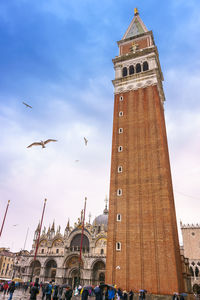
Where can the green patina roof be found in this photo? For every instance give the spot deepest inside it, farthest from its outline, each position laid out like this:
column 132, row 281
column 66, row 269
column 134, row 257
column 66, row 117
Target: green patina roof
column 135, row 29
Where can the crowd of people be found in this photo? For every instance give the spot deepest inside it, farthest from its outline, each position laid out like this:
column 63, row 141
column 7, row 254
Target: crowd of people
column 52, row 291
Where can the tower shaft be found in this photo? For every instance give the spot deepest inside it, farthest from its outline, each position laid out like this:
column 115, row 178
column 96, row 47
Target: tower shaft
column 143, row 249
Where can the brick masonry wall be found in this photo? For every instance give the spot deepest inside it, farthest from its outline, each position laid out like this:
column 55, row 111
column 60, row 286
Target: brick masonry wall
column 150, row 256
column 142, row 43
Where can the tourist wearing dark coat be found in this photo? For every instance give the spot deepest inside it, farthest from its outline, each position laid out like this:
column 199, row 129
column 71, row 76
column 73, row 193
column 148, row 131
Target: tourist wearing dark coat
column 68, row 294
column 11, row 290
column 34, row 290
column 55, row 293
column 85, row 295
column 131, row 294
column 98, row 293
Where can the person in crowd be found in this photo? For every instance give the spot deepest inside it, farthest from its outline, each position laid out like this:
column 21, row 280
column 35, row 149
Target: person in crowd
column 34, row 290
column 111, row 293
column 11, row 290
column 26, row 285
column 48, row 290
column 175, row 296
column 131, row 295
column 79, row 289
column 60, row 292
column 5, row 287
column 125, row 295
column 85, row 294
column 43, row 291
column 142, row 295
column 68, row 293
column 119, row 294
column 76, row 292
column 98, row 293
column 55, row 292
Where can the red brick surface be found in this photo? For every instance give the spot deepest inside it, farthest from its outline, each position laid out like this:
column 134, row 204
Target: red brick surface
column 150, row 255
column 143, row 43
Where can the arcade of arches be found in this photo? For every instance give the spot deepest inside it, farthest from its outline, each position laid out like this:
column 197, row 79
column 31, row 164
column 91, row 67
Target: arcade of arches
column 58, row 254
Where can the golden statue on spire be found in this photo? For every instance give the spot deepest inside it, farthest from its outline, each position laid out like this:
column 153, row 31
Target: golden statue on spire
column 136, row 12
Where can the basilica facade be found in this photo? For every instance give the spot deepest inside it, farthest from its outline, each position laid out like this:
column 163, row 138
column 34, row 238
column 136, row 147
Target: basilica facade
column 58, row 254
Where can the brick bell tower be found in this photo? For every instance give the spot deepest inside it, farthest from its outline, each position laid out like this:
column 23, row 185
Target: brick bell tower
column 143, row 248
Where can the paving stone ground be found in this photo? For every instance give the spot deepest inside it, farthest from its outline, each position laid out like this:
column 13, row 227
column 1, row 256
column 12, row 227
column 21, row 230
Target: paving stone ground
column 20, row 295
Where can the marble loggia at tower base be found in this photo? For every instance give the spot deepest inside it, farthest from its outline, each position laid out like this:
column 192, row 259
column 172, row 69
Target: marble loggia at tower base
column 143, row 250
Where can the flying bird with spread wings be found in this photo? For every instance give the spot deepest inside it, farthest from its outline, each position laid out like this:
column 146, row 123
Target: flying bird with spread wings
column 42, row 143
column 27, row 105
column 86, row 141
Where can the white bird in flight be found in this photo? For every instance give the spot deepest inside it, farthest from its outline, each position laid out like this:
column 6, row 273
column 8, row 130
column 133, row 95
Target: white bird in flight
column 27, row 105
column 42, row 143
column 86, row 141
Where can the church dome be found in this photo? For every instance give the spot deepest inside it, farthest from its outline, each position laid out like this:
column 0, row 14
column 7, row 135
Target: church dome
column 102, row 219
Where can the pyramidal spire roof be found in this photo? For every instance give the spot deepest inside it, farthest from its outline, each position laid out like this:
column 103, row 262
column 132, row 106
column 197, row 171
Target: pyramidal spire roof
column 136, row 27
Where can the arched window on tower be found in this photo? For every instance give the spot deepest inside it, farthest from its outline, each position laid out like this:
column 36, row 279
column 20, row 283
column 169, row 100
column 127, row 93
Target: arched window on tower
column 145, row 66
column 131, row 70
column 138, row 68
column 124, row 72
column 196, row 272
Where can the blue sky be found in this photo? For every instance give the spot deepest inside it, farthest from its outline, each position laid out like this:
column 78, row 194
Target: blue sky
column 57, row 56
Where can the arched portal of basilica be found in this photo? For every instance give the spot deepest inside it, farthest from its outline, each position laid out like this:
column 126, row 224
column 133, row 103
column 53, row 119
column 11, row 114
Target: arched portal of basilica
column 59, row 254
column 50, row 270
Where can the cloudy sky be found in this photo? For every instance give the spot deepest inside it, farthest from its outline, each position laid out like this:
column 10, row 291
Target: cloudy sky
column 57, row 55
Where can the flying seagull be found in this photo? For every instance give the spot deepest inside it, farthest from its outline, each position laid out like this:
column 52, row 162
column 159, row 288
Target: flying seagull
column 77, row 160
column 86, row 141
column 15, row 225
column 27, row 105
column 42, row 143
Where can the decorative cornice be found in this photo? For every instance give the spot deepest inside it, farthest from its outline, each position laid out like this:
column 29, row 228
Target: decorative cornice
column 190, row 226
column 138, row 82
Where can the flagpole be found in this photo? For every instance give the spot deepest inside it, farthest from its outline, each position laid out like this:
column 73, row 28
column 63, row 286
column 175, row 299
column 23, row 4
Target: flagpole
column 38, row 239
column 82, row 233
column 26, row 238
column 4, row 217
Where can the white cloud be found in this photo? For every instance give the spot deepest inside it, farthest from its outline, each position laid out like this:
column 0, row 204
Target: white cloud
column 182, row 111
column 30, row 175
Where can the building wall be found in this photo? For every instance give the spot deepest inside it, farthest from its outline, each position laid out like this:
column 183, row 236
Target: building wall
column 6, row 263
column 191, row 250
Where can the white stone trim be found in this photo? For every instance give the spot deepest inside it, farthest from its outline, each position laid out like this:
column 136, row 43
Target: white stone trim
column 119, row 169
column 120, row 130
column 119, row 192
column 135, row 84
column 119, row 217
column 118, row 246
